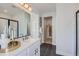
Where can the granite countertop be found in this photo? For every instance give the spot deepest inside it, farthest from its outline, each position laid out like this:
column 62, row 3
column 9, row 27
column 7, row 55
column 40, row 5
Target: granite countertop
column 24, row 44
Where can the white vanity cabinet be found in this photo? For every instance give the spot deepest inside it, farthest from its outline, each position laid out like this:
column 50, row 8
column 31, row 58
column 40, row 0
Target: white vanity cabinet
column 23, row 53
column 34, row 49
column 29, row 47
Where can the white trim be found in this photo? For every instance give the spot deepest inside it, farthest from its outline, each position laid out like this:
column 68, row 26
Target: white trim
column 43, row 29
column 53, row 14
column 63, row 53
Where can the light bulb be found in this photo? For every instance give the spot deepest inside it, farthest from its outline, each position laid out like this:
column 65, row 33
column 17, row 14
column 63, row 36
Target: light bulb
column 30, row 9
column 26, row 5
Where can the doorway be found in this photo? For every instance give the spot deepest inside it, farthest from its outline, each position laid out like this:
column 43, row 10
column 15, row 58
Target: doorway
column 48, row 30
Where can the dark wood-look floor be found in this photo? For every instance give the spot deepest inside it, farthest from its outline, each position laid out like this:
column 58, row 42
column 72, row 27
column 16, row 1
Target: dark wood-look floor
column 48, row 50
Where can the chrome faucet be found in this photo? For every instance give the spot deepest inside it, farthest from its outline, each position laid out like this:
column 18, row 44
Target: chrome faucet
column 12, row 34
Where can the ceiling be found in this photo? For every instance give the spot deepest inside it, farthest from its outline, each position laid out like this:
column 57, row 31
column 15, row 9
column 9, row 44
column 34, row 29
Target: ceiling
column 9, row 8
column 42, row 8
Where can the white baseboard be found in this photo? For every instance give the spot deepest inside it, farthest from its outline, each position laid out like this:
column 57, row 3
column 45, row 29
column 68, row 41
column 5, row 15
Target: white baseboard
column 63, row 53
column 53, row 44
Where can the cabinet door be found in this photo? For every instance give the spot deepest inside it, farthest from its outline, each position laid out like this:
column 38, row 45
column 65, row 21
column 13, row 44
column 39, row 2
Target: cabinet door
column 34, row 50
column 22, row 53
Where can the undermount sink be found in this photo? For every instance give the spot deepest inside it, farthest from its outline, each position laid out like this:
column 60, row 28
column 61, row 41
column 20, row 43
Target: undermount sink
column 12, row 45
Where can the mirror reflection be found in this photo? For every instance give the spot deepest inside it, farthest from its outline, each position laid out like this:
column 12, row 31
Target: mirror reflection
column 14, row 21
column 3, row 26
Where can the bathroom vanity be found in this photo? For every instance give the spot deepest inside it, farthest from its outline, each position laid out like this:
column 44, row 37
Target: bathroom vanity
column 29, row 47
column 15, row 23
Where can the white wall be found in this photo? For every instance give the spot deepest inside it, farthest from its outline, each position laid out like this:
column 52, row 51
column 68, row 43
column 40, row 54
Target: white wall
column 65, row 29
column 53, row 14
column 34, row 25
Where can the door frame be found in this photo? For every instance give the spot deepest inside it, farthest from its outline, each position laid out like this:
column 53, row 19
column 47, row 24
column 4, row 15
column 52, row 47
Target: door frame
column 77, row 32
column 44, row 28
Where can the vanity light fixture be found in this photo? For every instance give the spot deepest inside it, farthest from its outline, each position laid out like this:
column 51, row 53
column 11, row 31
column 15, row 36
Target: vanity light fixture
column 26, row 6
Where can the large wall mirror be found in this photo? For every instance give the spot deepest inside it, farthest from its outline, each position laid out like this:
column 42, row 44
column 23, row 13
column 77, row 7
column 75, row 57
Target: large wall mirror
column 13, row 18
column 7, row 25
